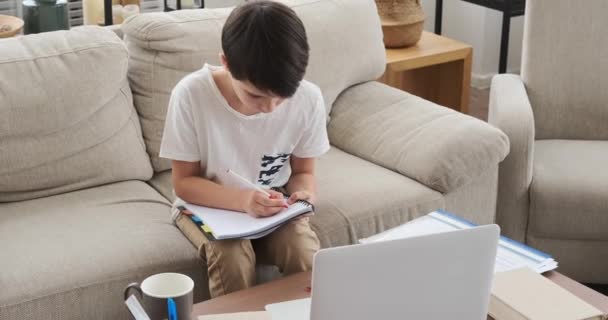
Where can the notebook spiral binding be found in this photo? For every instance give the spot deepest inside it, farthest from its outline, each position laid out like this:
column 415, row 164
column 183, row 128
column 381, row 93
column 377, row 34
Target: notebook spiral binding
column 284, row 192
column 304, row 202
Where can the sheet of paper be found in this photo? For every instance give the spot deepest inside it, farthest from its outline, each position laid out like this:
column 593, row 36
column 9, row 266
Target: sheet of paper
column 422, row 226
column 259, row 315
column 510, row 254
column 290, row 310
column 509, row 260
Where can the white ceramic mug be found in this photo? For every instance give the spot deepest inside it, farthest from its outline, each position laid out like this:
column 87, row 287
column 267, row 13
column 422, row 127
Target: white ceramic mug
column 156, row 289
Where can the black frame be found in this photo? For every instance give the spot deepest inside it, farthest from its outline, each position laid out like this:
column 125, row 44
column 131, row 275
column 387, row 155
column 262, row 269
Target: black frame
column 178, row 5
column 107, row 9
column 509, row 9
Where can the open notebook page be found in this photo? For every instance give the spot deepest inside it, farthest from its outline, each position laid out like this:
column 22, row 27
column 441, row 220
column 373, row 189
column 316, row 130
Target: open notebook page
column 226, row 224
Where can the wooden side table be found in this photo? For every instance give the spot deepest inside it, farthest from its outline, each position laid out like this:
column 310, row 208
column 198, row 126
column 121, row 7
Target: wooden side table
column 437, row 69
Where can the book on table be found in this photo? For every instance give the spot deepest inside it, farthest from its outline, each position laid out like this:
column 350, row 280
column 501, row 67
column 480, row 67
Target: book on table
column 220, row 224
column 523, row 294
column 510, row 254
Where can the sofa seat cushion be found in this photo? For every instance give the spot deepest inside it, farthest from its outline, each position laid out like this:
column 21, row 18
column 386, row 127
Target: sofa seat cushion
column 569, row 191
column 161, row 181
column 70, row 256
column 358, row 199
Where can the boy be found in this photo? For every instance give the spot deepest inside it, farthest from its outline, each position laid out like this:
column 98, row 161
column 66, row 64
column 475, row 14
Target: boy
column 256, row 116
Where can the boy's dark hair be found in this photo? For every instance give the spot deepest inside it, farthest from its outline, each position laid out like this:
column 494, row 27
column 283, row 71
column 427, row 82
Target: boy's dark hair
column 265, row 43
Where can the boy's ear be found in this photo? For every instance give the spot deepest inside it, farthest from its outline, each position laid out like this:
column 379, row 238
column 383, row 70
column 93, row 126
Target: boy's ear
column 224, row 61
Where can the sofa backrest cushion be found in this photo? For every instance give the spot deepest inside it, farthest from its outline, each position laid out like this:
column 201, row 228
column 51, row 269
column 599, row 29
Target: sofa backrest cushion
column 345, row 37
column 67, row 119
column 564, row 68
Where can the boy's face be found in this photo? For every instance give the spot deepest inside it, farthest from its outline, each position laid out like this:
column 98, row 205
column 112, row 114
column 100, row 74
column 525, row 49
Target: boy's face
column 252, row 98
column 255, row 99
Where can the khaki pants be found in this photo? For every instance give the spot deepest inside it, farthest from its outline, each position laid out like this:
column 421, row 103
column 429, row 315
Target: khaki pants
column 231, row 263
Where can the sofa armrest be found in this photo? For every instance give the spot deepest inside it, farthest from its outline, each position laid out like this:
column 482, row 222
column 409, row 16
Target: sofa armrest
column 510, row 111
column 439, row 147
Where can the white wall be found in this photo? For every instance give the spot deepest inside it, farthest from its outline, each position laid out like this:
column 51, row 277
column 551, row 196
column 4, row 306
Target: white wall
column 481, row 28
column 221, row 3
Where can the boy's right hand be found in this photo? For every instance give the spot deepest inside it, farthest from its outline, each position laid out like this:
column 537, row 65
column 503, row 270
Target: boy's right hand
column 259, row 205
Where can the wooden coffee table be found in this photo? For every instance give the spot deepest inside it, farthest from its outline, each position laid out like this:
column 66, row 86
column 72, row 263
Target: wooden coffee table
column 294, row 287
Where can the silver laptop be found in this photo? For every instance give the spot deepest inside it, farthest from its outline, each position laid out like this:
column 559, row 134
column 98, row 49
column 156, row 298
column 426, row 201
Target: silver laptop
column 432, row 277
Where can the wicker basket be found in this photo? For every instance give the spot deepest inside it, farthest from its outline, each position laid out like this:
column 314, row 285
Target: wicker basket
column 9, row 26
column 402, row 22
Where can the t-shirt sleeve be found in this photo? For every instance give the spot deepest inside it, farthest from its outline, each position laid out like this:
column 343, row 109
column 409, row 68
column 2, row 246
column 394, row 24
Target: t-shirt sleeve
column 179, row 140
column 314, row 141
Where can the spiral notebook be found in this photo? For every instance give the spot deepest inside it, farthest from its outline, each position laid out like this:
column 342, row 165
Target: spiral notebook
column 220, row 224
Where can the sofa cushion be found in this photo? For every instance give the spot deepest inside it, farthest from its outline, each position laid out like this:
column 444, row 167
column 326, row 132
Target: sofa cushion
column 161, row 181
column 564, row 68
column 166, row 47
column 569, row 191
column 439, row 147
column 583, row 260
column 358, row 199
column 67, row 120
column 70, row 256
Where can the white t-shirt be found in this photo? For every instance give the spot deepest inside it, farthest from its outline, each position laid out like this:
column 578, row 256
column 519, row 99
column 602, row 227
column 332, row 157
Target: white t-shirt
column 201, row 126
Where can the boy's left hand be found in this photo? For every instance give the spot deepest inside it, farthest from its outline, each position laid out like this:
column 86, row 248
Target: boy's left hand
column 301, row 195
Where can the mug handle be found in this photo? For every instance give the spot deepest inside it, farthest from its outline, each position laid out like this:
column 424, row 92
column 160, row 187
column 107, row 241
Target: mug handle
column 133, row 286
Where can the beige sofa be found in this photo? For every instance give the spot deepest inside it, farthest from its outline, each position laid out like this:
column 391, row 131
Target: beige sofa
column 84, row 198
column 553, row 190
